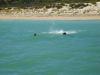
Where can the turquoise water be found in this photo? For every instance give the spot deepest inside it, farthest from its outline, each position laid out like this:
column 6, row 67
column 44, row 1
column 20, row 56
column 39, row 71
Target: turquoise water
column 50, row 52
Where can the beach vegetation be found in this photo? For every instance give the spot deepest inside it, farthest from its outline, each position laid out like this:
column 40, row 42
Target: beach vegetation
column 42, row 3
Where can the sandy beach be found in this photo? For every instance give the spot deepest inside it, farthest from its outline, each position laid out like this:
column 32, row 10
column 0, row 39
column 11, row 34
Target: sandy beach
column 50, row 17
column 89, row 12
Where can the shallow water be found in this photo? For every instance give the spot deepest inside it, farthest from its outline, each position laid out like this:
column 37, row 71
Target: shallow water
column 50, row 52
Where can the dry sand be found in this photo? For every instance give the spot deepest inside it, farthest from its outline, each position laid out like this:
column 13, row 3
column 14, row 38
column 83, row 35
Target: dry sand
column 51, row 18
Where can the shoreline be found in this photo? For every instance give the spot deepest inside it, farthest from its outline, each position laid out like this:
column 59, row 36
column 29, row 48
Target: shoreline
column 50, row 17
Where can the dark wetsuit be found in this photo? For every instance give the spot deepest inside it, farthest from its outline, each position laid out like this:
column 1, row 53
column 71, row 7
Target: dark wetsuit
column 35, row 34
column 64, row 33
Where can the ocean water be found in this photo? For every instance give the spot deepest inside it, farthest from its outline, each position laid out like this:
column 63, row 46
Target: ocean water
column 49, row 52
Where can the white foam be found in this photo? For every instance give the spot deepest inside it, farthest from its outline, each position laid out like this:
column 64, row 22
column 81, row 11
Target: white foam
column 61, row 31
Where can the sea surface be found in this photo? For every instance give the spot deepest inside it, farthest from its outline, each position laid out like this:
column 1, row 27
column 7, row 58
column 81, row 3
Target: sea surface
column 49, row 52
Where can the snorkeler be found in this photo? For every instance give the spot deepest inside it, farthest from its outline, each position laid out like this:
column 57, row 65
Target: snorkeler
column 35, row 34
column 64, row 33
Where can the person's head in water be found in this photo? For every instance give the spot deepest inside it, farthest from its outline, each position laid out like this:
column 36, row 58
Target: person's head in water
column 35, row 34
column 64, row 33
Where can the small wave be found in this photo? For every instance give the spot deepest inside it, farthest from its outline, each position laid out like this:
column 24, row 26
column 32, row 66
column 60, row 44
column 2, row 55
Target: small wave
column 61, row 31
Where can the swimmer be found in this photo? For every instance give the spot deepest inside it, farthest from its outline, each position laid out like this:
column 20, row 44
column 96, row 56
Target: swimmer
column 35, row 34
column 64, row 33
